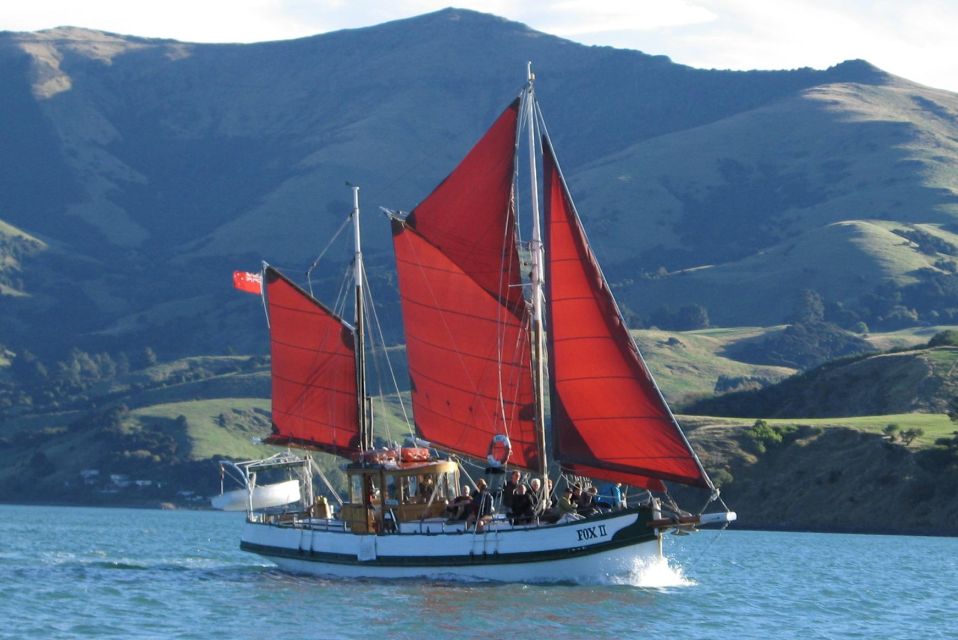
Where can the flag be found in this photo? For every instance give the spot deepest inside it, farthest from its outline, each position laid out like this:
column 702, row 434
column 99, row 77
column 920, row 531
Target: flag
column 248, row 282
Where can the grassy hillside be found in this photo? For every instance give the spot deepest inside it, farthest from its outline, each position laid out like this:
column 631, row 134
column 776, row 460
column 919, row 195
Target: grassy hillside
column 232, row 425
column 688, row 364
column 763, row 210
column 934, row 425
column 15, row 246
column 923, row 380
column 840, row 261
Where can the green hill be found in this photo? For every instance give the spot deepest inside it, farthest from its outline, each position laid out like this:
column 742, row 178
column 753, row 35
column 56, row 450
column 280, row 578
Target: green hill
column 689, row 365
column 920, row 380
column 841, row 261
column 834, row 475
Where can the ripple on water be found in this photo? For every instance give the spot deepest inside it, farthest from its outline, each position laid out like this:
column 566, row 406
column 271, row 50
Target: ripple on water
column 135, row 574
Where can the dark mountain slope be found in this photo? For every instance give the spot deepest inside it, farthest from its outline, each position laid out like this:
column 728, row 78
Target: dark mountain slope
column 157, row 167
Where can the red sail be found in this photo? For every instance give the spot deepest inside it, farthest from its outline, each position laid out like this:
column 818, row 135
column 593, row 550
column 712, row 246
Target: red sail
column 314, row 371
column 609, row 420
column 463, row 310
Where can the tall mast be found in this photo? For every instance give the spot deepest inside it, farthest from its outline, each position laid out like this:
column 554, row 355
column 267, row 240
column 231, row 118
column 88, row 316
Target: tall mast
column 538, row 368
column 365, row 437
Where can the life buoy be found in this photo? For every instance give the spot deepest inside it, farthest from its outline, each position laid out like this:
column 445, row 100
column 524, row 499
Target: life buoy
column 499, row 450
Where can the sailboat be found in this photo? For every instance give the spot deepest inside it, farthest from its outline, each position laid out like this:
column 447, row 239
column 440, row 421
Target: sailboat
column 493, row 327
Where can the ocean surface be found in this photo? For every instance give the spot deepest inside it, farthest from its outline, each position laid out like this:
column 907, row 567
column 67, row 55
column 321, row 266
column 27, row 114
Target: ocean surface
column 126, row 573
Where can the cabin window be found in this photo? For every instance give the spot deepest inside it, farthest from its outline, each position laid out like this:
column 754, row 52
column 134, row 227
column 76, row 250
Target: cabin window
column 392, row 493
column 410, row 488
column 355, row 489
column 450, row 486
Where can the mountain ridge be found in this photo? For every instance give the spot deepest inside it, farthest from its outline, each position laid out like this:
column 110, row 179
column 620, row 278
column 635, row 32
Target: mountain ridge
column 140, row 153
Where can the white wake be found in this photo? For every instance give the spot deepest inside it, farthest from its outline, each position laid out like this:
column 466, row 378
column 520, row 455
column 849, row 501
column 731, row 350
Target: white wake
column 655, row 573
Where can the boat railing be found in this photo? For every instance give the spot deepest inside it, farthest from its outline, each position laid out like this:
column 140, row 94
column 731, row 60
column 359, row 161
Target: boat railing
column 297, row 520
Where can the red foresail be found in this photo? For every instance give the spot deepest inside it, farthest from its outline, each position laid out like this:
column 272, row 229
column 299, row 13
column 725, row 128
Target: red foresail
column 609, row 420
column 463, row 309
column 314, row 371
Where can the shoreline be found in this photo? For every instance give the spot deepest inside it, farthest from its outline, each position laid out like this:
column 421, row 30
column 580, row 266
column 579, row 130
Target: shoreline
column 836, row 531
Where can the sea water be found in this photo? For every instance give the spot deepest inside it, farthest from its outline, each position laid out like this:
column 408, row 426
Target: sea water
column 126, row 573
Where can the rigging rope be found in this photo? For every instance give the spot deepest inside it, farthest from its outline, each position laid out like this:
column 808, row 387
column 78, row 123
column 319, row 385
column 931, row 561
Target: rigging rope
column 309, row 271
column 389, row 366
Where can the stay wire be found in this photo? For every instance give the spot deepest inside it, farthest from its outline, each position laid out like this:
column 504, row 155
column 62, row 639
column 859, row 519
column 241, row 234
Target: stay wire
column 389, row 366
column 309, row 271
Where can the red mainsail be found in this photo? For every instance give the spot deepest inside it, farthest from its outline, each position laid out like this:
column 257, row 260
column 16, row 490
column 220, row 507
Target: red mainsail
column 609, row 420
column 314, row 371
column 463, row 310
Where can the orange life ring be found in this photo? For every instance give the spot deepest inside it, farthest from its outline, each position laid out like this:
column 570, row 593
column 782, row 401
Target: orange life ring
column 499, row 450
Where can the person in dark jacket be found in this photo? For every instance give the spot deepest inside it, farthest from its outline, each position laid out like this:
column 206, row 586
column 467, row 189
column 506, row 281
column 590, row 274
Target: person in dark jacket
column 481, row 509
column 509, row 490
column 523, row 506
column 460, row 507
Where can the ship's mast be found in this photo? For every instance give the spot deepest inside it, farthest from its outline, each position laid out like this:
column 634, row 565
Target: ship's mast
column 536, row 249
column 365, row 437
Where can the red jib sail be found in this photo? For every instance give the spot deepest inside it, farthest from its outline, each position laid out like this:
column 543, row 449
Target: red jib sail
column 313, row 371
column 609, row 420
column 463, row 309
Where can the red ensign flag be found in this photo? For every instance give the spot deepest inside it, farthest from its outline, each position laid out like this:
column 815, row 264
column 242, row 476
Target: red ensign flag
column 248, row 282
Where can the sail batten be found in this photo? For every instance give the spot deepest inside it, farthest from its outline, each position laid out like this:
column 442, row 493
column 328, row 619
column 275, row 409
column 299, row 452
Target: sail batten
column 609, row 420
column 313, row 371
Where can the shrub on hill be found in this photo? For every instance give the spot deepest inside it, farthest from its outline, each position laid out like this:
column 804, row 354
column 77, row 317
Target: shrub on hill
column 687, row 318
column 947, row 338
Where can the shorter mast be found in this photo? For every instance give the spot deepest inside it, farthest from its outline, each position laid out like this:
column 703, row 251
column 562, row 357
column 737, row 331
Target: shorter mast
column 538, row 350
column 365, row 437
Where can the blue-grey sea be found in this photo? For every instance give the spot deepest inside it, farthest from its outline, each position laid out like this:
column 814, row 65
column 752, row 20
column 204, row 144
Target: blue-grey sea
column 125, row 573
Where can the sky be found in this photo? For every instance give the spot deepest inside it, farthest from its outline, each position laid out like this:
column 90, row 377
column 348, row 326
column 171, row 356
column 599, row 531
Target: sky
column 915, row 39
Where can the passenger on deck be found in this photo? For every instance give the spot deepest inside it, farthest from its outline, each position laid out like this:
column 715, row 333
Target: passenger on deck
column 523, row 506
column 426, row 487
column 534, row 486
column 481, row 508
column 566, row 507
column 459, row 509
column 576, row 493
column 509, row 490
column 584, row 506
column 611, row 496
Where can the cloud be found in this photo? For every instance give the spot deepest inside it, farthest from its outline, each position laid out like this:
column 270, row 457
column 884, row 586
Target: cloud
column 912, row 39
column 572, row 18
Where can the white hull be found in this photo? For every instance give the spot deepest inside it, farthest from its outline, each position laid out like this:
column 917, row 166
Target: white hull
column 580, row 551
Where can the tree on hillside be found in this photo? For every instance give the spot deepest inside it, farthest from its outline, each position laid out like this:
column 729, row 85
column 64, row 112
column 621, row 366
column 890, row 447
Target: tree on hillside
column 953, row 410
column 810, row 308
column 147, row 358
column 909, row 435
column 891, row 431
column 947, row 338
column 687, row 318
